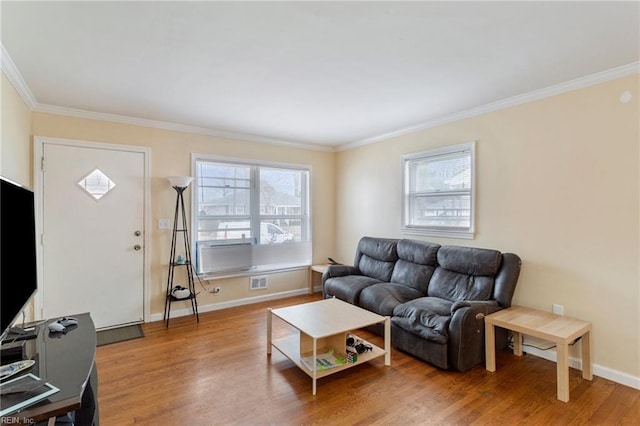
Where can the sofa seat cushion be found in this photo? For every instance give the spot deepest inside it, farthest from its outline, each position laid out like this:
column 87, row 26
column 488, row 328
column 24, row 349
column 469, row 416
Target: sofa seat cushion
column 348, row 288
column 427, row 317
column 382, row 298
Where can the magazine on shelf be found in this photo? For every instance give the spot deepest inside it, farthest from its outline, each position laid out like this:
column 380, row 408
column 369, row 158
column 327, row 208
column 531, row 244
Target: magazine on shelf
column 324, row 361
column 22, row 392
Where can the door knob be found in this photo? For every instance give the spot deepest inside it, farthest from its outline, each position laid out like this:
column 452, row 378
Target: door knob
column 137, row 247
column 137, row 233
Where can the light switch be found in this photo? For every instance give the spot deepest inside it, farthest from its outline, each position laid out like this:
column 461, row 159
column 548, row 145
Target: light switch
column 164, row 224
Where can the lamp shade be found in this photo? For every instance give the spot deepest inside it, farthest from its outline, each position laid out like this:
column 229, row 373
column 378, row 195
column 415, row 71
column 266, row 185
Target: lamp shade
column 179, row 181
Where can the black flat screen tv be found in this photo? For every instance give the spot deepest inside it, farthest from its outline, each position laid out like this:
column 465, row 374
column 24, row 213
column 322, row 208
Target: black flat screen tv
column 18, row 264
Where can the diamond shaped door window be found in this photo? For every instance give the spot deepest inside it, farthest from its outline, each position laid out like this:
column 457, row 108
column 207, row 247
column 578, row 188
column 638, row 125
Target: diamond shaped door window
column 97, row 184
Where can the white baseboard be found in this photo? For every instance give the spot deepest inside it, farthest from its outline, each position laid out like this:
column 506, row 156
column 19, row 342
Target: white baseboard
column 230, row 304
column 598, row 370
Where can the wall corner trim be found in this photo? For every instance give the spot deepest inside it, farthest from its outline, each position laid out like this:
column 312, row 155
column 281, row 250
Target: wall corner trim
column 15, row 78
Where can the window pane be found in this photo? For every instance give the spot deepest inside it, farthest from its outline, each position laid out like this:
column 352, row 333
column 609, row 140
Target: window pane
column 442, row 173
column 221, row 229
column 223, row 202
column 223, row 190
column 278, row 231
column 224, row 175
column 265, row 206
column 233, row 230
column 440, row 211
column 280, row 192
column 439, row 191
column 97, row 184
column 207, row 229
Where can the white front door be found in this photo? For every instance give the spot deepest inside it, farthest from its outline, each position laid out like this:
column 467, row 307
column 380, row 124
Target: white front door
column 93, row 217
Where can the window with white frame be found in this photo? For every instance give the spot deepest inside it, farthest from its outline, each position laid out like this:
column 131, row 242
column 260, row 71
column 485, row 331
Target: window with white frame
column 250, row 216
column 438, row 198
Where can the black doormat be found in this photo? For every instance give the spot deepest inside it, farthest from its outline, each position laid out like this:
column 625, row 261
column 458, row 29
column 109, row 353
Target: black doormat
column 121, row 334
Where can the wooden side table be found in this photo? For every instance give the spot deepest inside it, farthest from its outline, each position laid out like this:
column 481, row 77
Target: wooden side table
column 558, row 329
column 315, row 268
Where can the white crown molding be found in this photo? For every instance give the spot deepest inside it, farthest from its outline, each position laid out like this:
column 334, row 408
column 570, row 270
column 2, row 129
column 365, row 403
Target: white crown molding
column 15, row 78
column 579, row 83
column 165, row 125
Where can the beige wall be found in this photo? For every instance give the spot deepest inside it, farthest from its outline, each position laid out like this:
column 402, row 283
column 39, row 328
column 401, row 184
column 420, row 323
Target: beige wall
column 15, row 146
column 15, row 136
column 557, row 179
column 557, row 183
column 171, row 155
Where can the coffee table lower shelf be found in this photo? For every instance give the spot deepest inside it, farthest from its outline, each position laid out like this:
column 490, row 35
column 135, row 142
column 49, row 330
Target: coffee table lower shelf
column 290, row 347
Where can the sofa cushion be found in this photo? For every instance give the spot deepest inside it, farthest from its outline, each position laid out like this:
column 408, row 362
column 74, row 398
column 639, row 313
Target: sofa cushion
column 454, row 286
column 376, row 257
column 415, row 265
column 348, row 288
column 382, row 298
column 470, row 260
column 427, row 317
column 420, row 252
column 431, row 304
column 464, row 273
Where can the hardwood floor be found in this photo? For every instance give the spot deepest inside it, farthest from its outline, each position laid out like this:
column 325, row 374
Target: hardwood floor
column 217, row 372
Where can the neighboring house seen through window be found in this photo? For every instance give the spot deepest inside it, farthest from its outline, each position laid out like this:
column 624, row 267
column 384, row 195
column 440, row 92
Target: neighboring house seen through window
column 250, row 216
column 438, row 198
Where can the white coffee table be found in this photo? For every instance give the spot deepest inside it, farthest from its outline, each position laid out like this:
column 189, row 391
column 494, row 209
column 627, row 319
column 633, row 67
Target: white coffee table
column 325, row 325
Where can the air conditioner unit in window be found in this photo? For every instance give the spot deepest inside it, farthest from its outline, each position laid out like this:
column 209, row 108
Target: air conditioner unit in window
column 213, row 257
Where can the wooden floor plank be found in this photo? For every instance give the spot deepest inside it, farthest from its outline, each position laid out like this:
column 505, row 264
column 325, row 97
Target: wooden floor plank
column 217, row 372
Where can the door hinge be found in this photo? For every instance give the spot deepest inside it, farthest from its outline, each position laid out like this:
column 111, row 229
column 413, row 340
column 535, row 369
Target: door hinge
column 42, row 163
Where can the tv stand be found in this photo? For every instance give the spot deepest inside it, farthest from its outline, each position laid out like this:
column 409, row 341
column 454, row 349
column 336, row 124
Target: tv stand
column 67, row 361
column 13, row 347
column 27, row 332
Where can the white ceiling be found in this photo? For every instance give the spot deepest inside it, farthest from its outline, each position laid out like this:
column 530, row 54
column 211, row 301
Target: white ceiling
column 325, row 74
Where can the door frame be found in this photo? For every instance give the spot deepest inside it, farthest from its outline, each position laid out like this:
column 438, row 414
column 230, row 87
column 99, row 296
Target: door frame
column 38, row 150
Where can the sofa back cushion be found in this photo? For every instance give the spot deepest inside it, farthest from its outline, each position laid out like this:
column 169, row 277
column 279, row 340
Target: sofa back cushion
column 376, row 257
column 415, row 265
column 465, row 273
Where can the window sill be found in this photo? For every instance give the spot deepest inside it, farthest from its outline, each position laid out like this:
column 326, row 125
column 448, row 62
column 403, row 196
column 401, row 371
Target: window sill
column 464, row 235
column 256, row 270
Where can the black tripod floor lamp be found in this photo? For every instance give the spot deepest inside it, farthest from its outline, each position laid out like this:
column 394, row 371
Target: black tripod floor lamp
column 180, row 293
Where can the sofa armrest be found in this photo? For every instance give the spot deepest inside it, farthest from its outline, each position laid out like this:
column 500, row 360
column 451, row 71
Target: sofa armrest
column 507, row 279
column 335, row 271
column 339, row 271
column 466, row 332
column 484, row 307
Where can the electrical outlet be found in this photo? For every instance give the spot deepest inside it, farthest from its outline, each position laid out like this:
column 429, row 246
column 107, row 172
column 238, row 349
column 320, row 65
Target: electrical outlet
column 557, row 309
column 164, row 224
column 217, row 290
